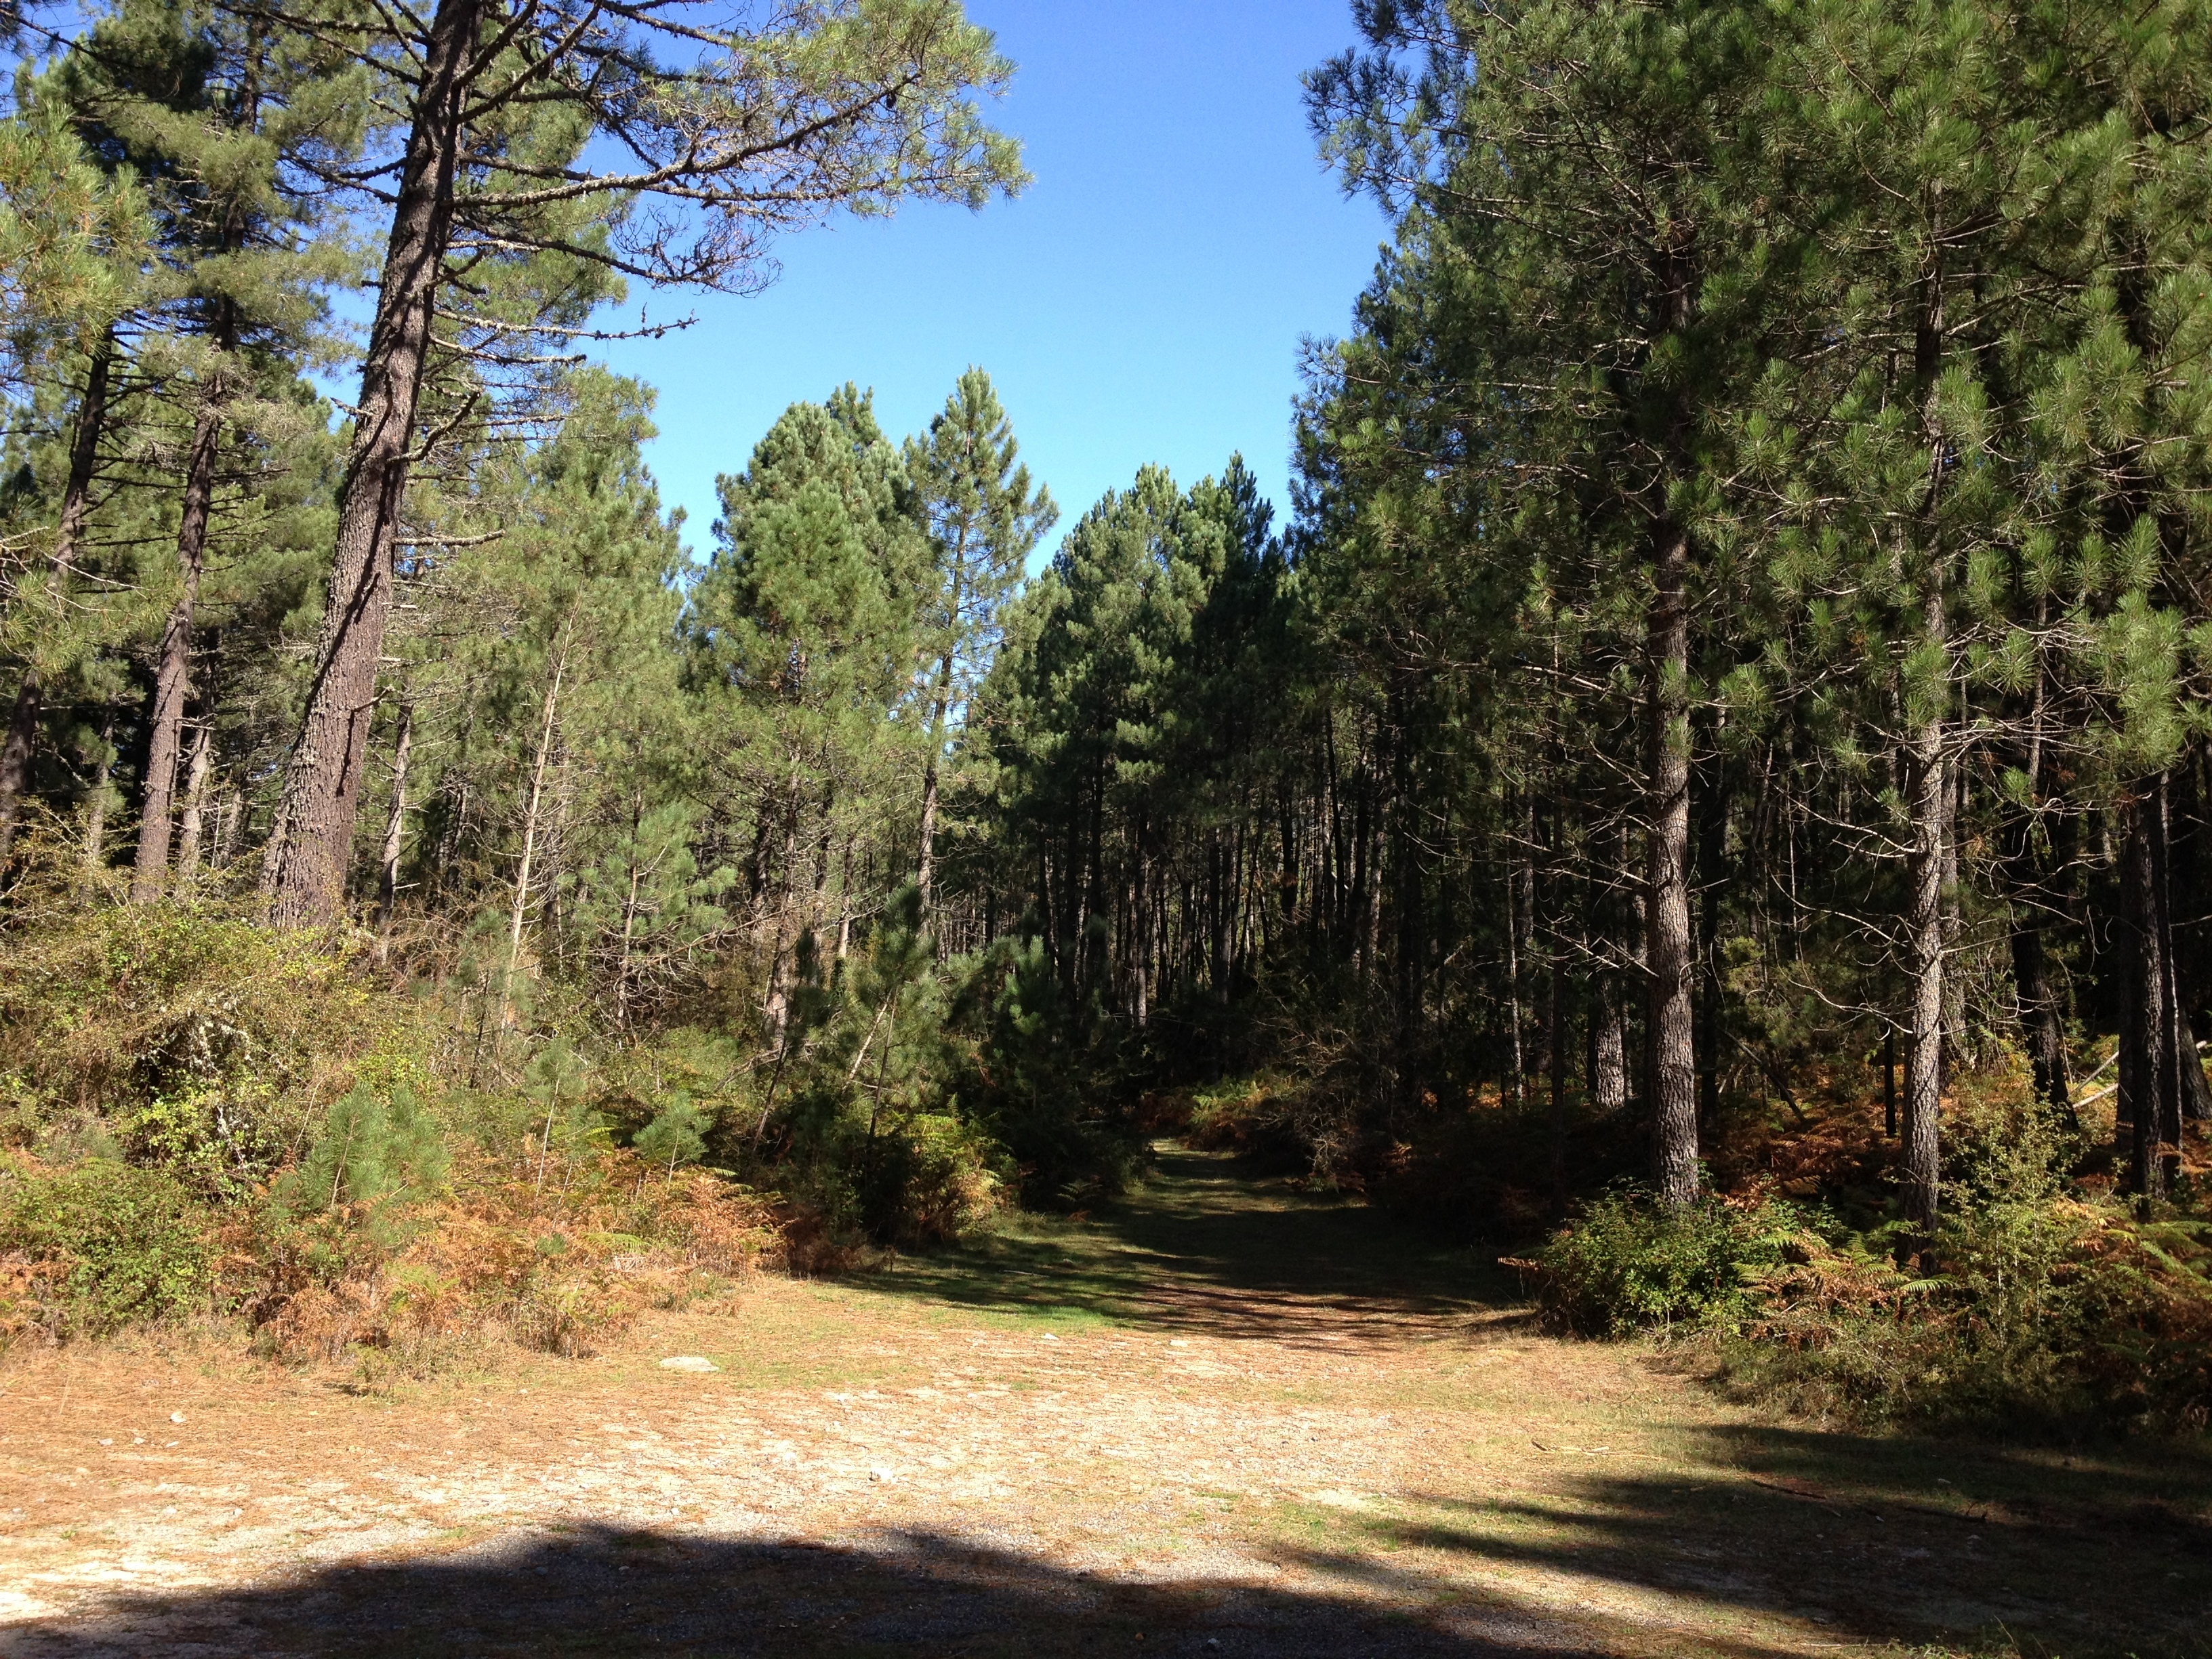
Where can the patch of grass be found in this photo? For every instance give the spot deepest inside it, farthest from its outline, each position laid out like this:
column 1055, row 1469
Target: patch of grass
column 1201, row 1246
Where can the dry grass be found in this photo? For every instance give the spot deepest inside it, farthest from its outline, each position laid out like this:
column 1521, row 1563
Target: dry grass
column 565, row 1270
column 1221, row 1419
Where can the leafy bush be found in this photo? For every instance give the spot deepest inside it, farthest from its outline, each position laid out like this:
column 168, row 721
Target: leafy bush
column 120, row 1245
column 933, row 1182
column 1628, row 1265
column 206, row 1113
column 2048, row 1313
column 186, row 1038
column 1308, row 1129
column 2033, row 1307
column 371, row 1151
column 1043, row 1081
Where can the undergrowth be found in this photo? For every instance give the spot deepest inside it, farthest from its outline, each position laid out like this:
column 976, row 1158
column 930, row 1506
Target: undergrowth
column 203, row 1118
column 2039, row 1304
column 393, row 1153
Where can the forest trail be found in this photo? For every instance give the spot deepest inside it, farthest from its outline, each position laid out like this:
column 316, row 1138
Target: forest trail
column 1221, row 1417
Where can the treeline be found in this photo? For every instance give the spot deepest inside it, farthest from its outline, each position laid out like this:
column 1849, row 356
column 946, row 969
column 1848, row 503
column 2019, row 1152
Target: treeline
column 1742, row 640
column 1735, row 660
column 205, row 573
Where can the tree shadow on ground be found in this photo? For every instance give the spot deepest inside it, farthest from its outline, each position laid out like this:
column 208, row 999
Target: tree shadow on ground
column 599, row 1590
column 1855, row 1542
column 1206, row 1247
column 1877, row 1539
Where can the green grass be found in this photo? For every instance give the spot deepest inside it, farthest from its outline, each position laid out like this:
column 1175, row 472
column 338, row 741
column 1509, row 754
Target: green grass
column 1204, row 1247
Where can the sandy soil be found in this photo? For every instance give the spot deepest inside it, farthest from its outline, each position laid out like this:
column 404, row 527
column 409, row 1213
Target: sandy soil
column 1221, row 1419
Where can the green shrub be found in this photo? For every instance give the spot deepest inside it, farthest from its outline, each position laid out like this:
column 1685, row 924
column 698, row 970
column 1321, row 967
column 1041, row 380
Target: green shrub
column 192, row 1039
column 370, row 1151
column 933, row 1182
column 677, row 1135
column 1044, row 1081
column 2045, row 1315
column 130, row 1244
column 1628, row 1265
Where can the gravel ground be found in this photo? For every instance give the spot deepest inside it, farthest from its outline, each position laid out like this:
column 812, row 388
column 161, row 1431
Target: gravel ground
column 1223, row 1419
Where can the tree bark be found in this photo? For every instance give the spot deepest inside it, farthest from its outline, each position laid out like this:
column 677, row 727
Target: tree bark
column 2174, row 1027
column 1923, row 1061
column 1555, row 1035
column 1609, row 1051
column 1889, row 1083
column 2038, row 1015
column 173, row 674
column 519, row 910
column 96, row 811
column 192, row 820
column 304, row 874
column 1141, row 939
column 21, row 743
column 2183, row 891
column 1929, row 779
column 1671, row 1071
column 1516, row 1058
column 2037, row 1003
column 2189, row 1061
column 395, row 833
column 939, row 712
column 1712, row 851
column 2148, row 1091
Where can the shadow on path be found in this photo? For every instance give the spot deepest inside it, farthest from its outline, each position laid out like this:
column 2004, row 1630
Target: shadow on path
column 1876, row 1537
column 1206, row 1247
column 602, row 1591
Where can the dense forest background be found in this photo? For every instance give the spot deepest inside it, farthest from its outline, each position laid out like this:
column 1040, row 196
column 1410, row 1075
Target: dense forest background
column 1716, row 756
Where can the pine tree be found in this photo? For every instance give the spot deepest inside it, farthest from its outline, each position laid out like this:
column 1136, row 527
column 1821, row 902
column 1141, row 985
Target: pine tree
column 983, row 522
column 217, row 123
column 805, row 630
column 872, row 107
column 71, row 233
column 1600, row 172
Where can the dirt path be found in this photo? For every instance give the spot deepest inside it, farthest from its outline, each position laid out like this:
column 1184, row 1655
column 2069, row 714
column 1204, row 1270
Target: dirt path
column 1221, row 1419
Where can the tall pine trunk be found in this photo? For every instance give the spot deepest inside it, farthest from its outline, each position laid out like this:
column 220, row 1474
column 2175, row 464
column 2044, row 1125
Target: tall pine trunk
column 2149, row 1105
column 2152, row 1031
column 939, row 711
column 1608, row 1050
column 2037, row 999
column 304, row 875
column 1712, row 846
column 96, row 800
column 173, row 674
column 1671, row 1070
column 17, row 747
column 1556, row 1037
column 1924, row 1059
column 395, row 833
column 2184, row 838
column 1929, row 779
column 191, row 823
column 519, row 910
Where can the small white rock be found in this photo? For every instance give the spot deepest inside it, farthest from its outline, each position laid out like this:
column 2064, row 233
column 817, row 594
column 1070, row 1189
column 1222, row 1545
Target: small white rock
column 176, row 1417
column 884, row 1475
column 689, row 1362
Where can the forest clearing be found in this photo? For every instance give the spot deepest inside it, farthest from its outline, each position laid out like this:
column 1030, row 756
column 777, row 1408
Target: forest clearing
column 1221, row 1417
column 1552, row 997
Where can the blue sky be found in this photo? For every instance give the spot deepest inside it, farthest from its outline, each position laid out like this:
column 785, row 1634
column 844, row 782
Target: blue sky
column 1142, row 301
